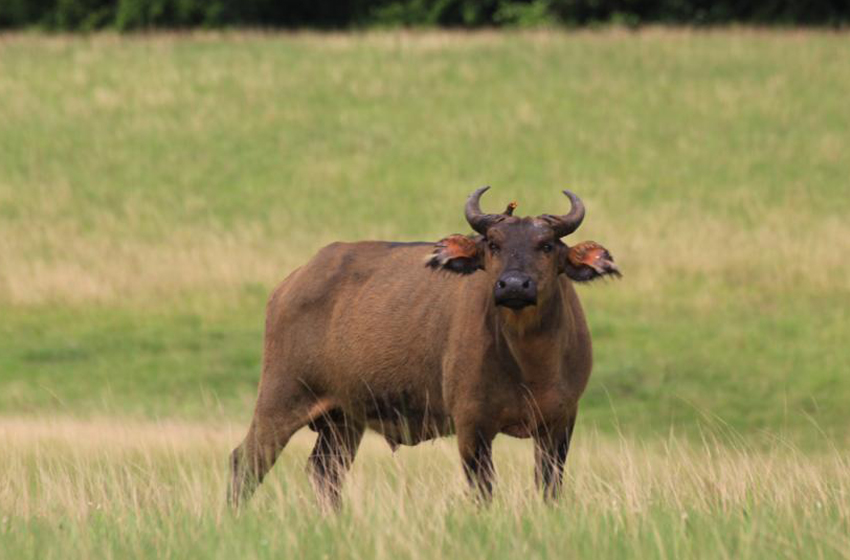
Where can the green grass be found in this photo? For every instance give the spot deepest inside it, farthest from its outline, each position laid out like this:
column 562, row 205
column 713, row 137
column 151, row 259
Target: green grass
column 154, row 188
column 116, row 490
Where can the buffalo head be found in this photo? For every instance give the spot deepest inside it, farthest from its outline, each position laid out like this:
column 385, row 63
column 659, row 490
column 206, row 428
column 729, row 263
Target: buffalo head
column 523, row 256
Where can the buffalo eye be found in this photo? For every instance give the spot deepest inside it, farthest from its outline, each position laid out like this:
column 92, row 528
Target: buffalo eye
column 493, row 247
column 547, row 247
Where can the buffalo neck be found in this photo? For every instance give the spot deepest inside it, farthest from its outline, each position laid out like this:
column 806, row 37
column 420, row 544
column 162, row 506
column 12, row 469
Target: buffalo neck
column 533, row 337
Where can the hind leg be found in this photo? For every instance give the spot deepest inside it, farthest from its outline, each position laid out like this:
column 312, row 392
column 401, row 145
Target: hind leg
column 336, row 446
column 278, row 415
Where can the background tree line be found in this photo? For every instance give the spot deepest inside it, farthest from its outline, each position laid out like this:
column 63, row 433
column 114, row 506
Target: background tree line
column 140, row 14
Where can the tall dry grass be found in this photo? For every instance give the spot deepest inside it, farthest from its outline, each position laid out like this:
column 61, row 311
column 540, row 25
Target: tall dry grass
column 105, row 489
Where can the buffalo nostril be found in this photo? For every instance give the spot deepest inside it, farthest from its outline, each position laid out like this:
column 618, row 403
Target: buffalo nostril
column 526, row 284
column 500, row 284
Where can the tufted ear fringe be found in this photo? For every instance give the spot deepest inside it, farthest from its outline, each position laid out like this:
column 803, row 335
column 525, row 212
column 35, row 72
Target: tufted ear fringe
column 589, row 260
column 457, row 253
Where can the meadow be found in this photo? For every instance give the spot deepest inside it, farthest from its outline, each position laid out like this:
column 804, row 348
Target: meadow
column 154, row 188
column 95, row 489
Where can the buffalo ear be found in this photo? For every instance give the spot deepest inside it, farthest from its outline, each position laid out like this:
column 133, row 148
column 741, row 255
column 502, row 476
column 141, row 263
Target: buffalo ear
column 458, row 253
column 587, row 261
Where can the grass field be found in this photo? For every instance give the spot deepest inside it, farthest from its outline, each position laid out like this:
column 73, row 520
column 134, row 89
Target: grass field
column 154, row 188
column 91, row 489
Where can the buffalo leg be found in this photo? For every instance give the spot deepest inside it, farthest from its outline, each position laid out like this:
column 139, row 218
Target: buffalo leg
column 272, row 427
column 550, row 454
column 476, row 453
column 336, row 446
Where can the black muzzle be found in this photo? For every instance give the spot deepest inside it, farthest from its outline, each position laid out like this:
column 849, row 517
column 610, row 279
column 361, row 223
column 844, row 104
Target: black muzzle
column 515, row 290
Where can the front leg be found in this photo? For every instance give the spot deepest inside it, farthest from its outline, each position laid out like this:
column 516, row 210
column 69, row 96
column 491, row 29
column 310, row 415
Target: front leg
column 476, row 453
column 550, row 454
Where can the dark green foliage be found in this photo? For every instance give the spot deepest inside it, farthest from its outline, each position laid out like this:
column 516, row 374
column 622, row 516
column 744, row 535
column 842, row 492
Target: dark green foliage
column 140, row 14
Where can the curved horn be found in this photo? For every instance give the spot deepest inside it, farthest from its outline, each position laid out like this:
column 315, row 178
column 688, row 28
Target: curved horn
column 568, row 223
column 479, row 221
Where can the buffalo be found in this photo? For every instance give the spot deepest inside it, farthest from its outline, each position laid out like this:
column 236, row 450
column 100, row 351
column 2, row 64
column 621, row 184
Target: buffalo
column 473, row 335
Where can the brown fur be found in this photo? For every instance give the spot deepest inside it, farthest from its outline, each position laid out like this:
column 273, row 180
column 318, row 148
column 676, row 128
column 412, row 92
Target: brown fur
column 365, row 336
